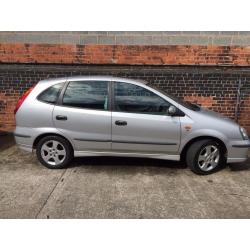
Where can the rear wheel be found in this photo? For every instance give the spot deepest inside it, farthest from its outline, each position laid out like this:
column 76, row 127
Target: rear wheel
column 54, row 152
column 205, row 157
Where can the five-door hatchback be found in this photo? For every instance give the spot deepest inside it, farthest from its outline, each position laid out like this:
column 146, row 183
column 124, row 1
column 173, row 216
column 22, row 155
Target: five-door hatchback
column 109, row 116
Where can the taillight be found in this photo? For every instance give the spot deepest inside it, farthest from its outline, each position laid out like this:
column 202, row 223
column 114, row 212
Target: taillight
column 22, row 98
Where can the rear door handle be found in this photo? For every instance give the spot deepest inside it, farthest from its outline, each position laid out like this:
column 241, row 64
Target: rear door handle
column 121, row 123
column 61, row 117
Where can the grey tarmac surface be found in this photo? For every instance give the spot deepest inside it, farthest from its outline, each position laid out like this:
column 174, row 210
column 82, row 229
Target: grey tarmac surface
column 118, row 188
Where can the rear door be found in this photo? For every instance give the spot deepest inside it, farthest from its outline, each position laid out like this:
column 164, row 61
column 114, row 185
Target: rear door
column 83, row 115
column 140, row 122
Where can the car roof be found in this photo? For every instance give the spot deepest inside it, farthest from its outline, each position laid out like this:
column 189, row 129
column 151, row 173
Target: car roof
column 97, row 78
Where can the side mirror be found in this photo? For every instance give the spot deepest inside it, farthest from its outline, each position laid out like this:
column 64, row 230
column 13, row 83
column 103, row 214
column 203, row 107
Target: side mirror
column 172, row 110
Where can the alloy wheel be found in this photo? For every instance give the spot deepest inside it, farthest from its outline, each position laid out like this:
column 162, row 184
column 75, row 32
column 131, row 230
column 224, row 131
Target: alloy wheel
column 53, row 152
column 209, row 157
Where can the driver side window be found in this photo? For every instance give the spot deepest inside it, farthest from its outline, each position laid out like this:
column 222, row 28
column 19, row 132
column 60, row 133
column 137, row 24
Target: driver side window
column 131, row 98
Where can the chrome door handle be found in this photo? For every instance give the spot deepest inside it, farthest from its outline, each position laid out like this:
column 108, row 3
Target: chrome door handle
column 121, row 123
column 61, row 117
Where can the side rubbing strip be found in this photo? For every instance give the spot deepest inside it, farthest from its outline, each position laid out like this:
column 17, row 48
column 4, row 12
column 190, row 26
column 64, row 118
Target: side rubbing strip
column 242, row 146
column 81, row 139
column 24, row 136
column 131, row 142
column 153, row 143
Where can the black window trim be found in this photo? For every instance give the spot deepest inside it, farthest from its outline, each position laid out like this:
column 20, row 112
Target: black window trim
column 113, row 101
column 60, row 98
column 55, row 103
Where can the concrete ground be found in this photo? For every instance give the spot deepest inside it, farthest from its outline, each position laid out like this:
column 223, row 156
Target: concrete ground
column 118, row 188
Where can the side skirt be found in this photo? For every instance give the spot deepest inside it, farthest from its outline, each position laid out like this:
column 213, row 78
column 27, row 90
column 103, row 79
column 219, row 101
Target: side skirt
column 122, row 154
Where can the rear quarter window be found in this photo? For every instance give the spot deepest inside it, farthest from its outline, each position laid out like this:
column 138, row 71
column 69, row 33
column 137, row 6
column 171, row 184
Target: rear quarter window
column 51, row 94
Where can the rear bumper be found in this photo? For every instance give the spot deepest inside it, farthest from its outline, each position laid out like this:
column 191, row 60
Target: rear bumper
column 25, row 148
column 238, row 151
column 24, row 141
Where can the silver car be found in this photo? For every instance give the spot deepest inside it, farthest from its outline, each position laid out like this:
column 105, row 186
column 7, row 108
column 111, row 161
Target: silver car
column 109, row 116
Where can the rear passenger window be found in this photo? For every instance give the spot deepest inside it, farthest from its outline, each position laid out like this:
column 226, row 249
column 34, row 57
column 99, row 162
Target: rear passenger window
column 51, row 94
column 87, row 95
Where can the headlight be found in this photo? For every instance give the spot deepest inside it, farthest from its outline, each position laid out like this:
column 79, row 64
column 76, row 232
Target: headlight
column 244, row 133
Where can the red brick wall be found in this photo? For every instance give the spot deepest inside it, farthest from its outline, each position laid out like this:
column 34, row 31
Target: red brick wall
column 7, row 106
column 211, row 78
column 125, row 54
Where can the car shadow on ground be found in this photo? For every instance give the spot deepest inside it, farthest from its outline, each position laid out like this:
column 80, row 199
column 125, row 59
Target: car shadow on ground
column 131, row 164
column 6, row 140
column 240, row 166
column 124, row 161
column 127, row 165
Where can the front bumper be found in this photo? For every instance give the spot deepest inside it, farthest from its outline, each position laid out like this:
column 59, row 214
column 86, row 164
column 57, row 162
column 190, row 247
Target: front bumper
column 238, row 151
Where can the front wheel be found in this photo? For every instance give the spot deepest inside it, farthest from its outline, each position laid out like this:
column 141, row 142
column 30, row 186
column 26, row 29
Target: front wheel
column 205, row 157
column 54, row 152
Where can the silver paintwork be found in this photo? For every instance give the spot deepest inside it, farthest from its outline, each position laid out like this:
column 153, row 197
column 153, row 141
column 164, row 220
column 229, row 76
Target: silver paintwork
column 84, row 126
column 93, row 132
column 149, row 129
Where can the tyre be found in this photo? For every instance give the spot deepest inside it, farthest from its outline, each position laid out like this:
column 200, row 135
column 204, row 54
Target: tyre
column 205, row 157
column 54, row 152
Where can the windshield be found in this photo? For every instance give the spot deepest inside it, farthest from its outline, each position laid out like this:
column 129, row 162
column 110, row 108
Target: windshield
column 185, row 104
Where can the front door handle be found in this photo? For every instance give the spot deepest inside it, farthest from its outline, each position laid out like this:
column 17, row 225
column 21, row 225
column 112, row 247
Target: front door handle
column 121, row 123
column 61, row 117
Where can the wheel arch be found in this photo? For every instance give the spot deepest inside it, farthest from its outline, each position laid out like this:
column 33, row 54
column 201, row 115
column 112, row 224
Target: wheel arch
column 38, row 138
column 198, row 138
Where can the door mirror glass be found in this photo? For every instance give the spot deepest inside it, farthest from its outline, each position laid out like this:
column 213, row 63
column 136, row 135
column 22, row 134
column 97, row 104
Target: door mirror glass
column 172, row 110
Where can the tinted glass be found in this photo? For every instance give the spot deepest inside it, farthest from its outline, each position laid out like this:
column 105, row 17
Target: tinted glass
column 51, row 94
column 135, row 99
column 186, row 104
column 87, row 94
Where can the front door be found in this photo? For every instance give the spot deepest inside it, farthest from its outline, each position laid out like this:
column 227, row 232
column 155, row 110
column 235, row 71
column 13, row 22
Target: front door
column 83, row 115
column 140, row 122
